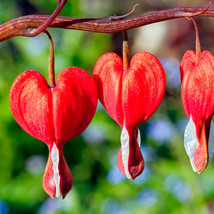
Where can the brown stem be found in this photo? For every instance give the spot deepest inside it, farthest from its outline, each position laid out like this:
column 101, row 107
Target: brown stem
column 114, row 18
column 125, row 51
column 198, row 48
column 51, row 70
column 20, row 26
column 46, row 24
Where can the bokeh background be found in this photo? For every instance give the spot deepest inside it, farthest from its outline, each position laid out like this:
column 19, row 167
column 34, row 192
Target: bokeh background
column 168, row 185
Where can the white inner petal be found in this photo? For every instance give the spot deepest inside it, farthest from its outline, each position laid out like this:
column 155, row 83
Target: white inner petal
column 55, row 161
column 138, row 137
column 125, row 148
column 191, row 142
column 124, row 138
column 211, row 141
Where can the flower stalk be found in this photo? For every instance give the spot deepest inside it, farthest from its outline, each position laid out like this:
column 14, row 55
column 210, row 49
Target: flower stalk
column 125, row 51
column 51, row 64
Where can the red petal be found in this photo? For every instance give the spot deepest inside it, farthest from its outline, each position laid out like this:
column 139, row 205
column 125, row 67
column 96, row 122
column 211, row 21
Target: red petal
column 198, row 85
column 74, row 103
column 135, row 159
column 31, row 105
column 201, row 153
column 108, row 72
column 187, row 63
column 130, row 97
column 54, row 115
column 66, row 179
column 197, row 96
column 143, row 88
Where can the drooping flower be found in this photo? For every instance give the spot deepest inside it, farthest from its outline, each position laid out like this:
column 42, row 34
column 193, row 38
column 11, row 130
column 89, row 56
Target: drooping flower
column 197, row 91
column 54, row 116
column 130, row 96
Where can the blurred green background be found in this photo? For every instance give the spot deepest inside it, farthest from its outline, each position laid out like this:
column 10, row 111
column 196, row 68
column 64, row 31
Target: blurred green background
column 168, row 185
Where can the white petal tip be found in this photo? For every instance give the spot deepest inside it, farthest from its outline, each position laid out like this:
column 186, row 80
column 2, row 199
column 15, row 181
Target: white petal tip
column 124, row 138
column 211, row 141
column 55, row 161
column 191, row 142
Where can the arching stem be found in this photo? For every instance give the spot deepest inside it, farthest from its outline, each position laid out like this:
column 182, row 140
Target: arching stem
column 114, row 18
column 198, row 48
column 46, row 24
column 51, row 69
column 22, row 26
column 125, row 51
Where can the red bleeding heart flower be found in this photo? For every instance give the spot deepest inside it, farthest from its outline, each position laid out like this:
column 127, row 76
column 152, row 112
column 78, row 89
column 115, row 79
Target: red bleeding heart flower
column 130, row 96
column 197, row 87
column 54, row 115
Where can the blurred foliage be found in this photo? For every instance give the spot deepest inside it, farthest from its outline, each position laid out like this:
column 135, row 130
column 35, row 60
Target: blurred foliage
column 167, row 185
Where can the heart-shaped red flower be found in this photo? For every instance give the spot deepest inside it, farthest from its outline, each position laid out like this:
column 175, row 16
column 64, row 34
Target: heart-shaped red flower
column 54, row 116
column 130, row 97
column 197, row 91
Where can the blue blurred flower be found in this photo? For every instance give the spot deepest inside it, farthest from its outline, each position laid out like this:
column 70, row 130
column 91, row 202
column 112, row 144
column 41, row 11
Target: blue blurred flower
column 180, row 189
column 148, row 153
column 35, row 46
column 147, row 198
column 4, row 208
column 111, row 206
column 115, row 176
column 181, row 124
column 51, row 206
column 35, row 164
column 172, row 69
column 160, row 130
column 95, row 133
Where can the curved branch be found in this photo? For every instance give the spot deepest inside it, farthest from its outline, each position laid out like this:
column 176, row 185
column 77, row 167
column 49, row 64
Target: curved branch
column 41, row 28
column 21, row 26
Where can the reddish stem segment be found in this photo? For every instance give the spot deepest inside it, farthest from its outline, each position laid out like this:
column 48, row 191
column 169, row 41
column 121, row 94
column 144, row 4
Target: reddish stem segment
column 51, row 69
column 198, row 48
column 125, row 51
column 46, row 24
column 114, row 18
column 20, row 26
